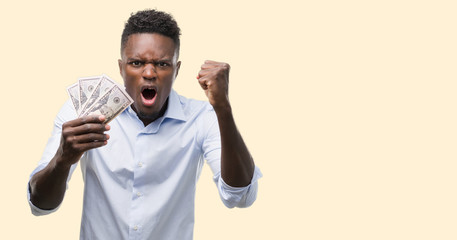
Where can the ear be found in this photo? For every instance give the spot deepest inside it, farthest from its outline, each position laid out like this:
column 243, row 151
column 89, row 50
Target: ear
column 178, row 65
column 121, row 70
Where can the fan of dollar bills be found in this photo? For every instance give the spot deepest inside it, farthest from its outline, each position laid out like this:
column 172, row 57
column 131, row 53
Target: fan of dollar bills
column 98, row 95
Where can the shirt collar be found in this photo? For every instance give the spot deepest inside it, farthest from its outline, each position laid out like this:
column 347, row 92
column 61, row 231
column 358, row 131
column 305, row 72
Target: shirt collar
column 174, row 109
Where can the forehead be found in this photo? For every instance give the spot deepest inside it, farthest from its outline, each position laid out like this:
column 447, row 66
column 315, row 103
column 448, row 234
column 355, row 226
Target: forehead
column 149, row 45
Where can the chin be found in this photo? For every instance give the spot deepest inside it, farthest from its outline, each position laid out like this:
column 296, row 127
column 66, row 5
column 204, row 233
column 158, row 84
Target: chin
column 149, row 114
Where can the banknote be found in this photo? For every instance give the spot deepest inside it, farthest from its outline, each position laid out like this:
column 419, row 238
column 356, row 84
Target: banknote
column 98, row 95
column 73, row 91
column 104, row 84
column 86, row 87
column 110, row 104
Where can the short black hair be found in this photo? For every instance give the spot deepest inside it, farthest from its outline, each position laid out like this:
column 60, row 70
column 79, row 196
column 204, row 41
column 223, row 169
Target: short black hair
column 151, row 21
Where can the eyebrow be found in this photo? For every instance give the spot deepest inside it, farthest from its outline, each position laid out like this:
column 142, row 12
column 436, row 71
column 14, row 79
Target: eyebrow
column 140, row 58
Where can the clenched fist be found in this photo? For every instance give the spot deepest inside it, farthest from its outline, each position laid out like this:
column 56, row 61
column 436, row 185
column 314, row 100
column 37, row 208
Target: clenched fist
column 214, row 79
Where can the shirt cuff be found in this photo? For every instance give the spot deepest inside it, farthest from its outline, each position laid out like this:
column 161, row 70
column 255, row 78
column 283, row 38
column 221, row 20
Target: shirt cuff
column 241, row 197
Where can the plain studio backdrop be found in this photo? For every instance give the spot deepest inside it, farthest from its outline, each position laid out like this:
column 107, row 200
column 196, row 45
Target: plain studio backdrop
column 348, row 107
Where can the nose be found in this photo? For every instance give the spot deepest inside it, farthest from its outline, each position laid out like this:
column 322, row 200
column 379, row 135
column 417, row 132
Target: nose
column 149, row 72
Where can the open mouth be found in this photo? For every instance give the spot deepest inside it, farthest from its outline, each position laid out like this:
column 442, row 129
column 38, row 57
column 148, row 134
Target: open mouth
column 148, row 96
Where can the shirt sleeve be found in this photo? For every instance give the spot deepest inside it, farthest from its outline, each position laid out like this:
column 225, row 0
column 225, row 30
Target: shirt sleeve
column 66, row 113
column 241, row 197
column 231, row 196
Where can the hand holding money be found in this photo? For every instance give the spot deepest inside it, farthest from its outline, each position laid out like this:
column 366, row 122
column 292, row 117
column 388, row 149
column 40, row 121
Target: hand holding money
column 97, row 100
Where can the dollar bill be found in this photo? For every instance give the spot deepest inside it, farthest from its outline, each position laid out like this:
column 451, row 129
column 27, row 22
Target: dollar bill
column 104, row 85
column 73, row 91
column 111, row 104
column 86, row 87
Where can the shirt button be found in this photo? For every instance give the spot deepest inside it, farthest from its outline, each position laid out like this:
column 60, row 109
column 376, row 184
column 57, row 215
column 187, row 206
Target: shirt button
column 140, row 164
column 138, row 194
column 135, row 228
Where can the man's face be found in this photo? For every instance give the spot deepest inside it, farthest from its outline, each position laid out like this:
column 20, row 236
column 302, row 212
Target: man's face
column 149, row 66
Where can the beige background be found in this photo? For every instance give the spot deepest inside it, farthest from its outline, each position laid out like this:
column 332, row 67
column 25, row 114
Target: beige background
column 347, row 106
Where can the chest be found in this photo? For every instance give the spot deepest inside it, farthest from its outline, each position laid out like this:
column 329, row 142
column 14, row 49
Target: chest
column 138, row 156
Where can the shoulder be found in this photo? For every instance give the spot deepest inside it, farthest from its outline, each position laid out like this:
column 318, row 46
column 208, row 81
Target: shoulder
column 195, row 109
column 202, row 117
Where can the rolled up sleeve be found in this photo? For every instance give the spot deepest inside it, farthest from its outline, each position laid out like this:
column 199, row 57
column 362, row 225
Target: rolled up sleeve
column 66, row 113
column 240, row 197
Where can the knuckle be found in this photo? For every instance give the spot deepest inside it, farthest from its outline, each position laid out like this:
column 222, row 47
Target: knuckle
column 68, row 138
column 78, row 148
column 226, row 66
column 71, row 145
column 65, row 132
column 94, row 144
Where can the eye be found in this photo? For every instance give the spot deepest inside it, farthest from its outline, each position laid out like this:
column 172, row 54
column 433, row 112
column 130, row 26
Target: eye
column 162, row 64
column 136, row 63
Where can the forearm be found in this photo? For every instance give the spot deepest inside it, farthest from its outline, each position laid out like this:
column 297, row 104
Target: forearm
column 237, row 165
column 48, row 186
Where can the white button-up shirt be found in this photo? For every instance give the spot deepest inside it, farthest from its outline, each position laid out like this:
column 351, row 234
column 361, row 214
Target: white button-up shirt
column 141, row 185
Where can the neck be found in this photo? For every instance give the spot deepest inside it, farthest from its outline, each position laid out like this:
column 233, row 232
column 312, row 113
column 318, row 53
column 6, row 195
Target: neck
column 151, row 118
